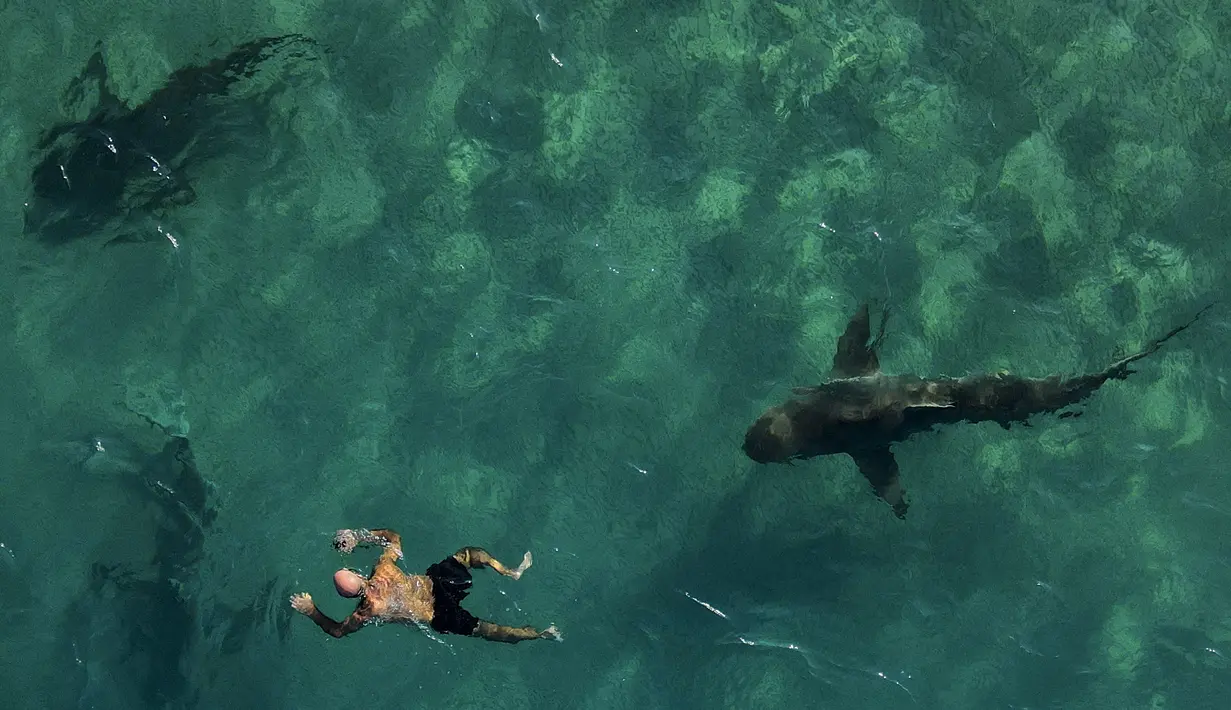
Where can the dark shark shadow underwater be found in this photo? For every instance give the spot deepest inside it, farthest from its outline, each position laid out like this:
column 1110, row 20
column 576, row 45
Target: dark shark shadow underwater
column 861, row 412
column 122, row 163
column 130, row 626
column 136, row 633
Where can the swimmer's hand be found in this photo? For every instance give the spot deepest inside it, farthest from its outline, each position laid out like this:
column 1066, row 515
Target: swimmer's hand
column 526, row 561
column 344, row 541
column 551, row 633
column 303, row 604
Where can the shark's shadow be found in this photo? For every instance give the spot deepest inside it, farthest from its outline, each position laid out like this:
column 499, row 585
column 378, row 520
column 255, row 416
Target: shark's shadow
column 123, row 162
column 137, row 624
column 140, row 617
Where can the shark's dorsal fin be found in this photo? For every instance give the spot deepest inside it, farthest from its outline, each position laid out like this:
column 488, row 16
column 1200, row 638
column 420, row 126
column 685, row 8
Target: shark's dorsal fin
column 855, row 356
column 91, row 85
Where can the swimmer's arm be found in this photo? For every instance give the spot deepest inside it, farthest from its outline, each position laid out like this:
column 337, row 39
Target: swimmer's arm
column 350, row 625
column 477, row 558
column 304, row 605
column 391, row 541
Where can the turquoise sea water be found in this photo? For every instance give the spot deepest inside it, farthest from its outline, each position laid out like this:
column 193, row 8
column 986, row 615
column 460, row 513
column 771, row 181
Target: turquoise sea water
column 519, row 274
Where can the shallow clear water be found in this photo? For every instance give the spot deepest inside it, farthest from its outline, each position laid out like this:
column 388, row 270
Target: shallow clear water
column 520, row 274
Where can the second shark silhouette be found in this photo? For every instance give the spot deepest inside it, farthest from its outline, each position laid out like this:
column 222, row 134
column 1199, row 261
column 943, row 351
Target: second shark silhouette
column 122, row 162
column 861, row 411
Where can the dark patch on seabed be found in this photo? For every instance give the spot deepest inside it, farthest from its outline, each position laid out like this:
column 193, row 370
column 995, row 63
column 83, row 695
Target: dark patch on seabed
column 122, row 164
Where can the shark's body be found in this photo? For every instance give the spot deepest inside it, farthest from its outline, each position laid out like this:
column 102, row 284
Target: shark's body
column 862, row 412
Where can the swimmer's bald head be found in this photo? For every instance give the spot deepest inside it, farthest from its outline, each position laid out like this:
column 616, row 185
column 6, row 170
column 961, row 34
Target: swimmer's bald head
column 348, row 583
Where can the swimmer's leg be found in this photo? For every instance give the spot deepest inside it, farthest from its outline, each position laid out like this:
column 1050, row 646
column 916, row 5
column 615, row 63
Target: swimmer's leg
column 514, row 634
column 477, row 558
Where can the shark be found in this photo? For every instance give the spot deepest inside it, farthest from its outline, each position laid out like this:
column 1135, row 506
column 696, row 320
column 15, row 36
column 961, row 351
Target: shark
column 862, row 412
column 122, row 164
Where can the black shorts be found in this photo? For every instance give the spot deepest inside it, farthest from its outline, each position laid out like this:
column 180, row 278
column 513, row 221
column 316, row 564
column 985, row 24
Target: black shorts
column 450, row 585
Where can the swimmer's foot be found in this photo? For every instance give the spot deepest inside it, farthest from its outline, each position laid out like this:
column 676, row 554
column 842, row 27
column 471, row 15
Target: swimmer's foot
column 526, row 561
column 551, row 633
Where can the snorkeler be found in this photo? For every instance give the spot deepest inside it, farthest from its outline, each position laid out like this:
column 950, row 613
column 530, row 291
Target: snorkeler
column 391, row 595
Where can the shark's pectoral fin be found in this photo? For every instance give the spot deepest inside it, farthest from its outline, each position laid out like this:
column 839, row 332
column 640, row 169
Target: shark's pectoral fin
column 855, row 356
column 881, row 469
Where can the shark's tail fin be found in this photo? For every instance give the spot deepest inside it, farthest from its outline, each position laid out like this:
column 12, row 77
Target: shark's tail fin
column 1119, row 369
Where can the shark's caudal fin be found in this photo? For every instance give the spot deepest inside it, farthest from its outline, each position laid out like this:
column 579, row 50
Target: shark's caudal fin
column 855, row 356
column 1119, row 369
